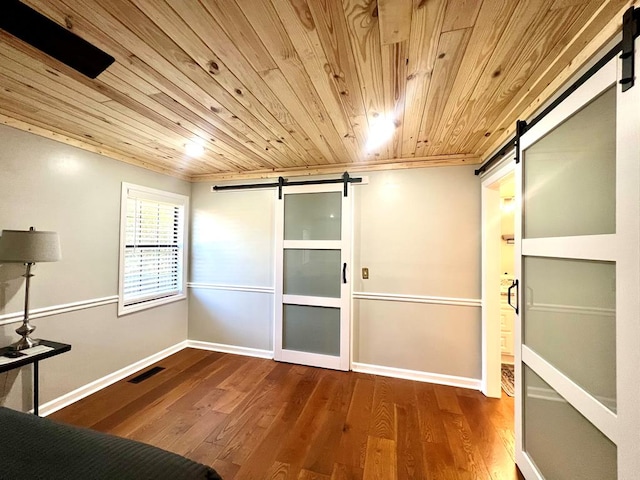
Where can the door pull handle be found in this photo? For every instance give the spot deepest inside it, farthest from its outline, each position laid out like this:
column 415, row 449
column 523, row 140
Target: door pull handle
column 344, row 273
column 517, row 306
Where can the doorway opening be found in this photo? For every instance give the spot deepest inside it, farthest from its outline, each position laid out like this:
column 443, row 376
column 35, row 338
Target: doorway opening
column 507, row 277
column 498, row 210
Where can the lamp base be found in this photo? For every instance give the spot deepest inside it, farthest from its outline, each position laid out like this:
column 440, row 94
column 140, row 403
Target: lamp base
column 24, row 343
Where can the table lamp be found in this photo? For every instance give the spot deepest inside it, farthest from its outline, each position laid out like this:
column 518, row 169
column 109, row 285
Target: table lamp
column 28, row 247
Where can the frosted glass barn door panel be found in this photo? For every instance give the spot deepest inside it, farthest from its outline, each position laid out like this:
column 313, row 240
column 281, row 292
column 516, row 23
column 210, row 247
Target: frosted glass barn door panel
column 313, row 216
column 563, row 443
column 578, row 185
column 570, row 320
column 313, row 287
column 570, row 175
column 312, row 272
column 311, row 329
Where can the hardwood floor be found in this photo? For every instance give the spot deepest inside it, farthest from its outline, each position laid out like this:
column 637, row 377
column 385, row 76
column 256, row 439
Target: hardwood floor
column 251, row 418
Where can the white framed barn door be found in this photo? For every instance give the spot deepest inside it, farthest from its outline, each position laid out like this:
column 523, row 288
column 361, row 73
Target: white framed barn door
column 578, row 264
column 313, row 284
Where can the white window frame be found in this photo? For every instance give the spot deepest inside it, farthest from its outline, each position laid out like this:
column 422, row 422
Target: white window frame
column 130, row 190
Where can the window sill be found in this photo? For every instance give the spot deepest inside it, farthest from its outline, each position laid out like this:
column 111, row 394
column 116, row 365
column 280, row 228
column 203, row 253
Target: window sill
column 126, row 310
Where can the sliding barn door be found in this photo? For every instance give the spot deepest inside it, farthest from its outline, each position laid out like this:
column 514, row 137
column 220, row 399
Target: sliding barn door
column 313, row 287
column 578, row 334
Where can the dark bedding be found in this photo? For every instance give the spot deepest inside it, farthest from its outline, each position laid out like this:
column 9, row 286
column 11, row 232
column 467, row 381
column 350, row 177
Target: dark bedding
column 37, row 448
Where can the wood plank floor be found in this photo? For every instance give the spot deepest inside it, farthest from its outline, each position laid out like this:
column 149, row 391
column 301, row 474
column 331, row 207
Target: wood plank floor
column 251, row 418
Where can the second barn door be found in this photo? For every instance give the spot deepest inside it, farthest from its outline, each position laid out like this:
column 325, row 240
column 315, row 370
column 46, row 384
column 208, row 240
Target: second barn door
column 313, row 286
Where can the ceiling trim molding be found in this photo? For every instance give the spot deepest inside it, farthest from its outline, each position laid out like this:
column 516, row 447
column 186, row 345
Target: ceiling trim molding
column 392, row 164
column 84, row 145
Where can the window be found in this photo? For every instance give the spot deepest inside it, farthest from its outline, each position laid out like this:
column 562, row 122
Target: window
column 153, row 248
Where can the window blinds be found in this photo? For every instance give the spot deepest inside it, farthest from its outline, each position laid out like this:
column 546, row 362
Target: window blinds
column 153, row 249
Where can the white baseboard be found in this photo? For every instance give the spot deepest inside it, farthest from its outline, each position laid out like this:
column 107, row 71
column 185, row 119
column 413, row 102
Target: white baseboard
column 86, row 390
column 221, row 347
column 450, row 380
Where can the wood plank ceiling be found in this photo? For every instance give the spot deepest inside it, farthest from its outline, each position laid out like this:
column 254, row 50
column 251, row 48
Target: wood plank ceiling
column 299, row 86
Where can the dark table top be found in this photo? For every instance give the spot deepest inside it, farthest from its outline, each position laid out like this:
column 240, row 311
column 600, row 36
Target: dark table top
column 58, row 348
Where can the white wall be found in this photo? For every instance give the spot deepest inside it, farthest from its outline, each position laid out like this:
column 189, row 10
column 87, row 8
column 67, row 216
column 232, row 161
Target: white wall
column 418, row 231
column 53, row 186
column 232, row 242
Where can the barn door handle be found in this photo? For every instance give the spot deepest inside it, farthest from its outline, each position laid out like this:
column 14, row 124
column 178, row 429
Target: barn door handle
column 517, row 306
column 344, row 273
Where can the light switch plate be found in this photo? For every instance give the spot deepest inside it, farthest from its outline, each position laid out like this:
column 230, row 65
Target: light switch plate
column 365, row 273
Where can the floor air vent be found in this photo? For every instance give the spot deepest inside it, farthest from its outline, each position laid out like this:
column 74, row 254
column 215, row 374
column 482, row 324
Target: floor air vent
column 148, row 374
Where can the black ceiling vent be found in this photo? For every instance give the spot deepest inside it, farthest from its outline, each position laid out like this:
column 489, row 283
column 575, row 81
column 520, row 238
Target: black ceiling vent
column 47, row 36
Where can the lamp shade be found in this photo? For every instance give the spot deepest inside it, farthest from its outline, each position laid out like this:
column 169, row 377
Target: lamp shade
column 29, row 246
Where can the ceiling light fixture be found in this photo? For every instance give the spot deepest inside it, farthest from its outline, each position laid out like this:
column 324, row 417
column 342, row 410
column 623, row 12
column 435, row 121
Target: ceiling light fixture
column 194, row 148
column 508, row 205
column 380, row 132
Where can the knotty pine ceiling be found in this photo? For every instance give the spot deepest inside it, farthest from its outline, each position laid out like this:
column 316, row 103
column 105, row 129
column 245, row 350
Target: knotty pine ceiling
column 291, row 87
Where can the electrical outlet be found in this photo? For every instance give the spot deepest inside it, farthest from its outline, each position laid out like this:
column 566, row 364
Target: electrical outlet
column 365, row 273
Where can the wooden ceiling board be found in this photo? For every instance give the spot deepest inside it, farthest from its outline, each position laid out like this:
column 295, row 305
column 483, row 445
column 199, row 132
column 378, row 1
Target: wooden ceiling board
column 239, row 122
column 229, row 17
column 423, row 44
column 331, row 26
column 268, row 26
column 395, row 20
column 394, row 79
column 69, row 108
column 451, row 48
column 194, row 30
column 531, row 55
column 507, row 51
column 40, row 93
column 234, row 99
column 64, row 15
column 294, row 87
column 490, row 25
column 593, row 28
column 461, row 14
column 364, row 37
column 301, row 28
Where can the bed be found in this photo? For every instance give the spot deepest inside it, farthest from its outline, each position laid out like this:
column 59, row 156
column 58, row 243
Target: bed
column 38, row 448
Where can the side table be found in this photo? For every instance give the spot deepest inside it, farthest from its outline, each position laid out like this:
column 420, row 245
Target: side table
column 57, row 349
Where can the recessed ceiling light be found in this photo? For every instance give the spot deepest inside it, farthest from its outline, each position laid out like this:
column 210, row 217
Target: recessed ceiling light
column 194, row 148
column 380, row 132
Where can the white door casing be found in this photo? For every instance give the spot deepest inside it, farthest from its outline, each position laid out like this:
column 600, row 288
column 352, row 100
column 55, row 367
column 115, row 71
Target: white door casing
column 491, row 217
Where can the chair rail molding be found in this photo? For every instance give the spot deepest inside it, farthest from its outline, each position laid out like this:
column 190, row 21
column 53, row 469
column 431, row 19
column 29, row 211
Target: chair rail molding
column 397, row 297
column 232, row 288
column 15, row 317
